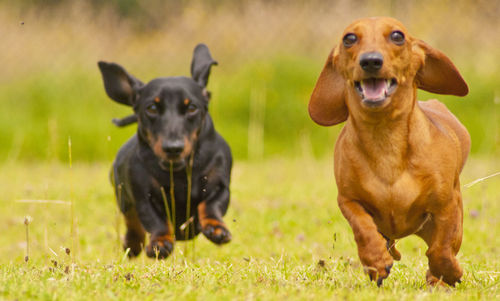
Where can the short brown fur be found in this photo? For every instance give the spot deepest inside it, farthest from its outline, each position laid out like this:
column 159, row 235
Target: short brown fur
column 397, row 166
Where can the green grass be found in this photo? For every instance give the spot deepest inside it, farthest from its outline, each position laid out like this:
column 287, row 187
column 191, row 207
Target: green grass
column 40, row 112
column 283, row 216
column 284, row 220
column 270, row 55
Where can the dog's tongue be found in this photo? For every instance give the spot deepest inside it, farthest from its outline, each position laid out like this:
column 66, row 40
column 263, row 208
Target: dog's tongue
column 374, row 88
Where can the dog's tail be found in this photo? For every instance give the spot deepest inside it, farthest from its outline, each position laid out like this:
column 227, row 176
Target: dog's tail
column 127, row 120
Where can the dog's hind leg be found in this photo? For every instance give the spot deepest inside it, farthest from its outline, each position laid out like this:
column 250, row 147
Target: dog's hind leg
column 391, row 247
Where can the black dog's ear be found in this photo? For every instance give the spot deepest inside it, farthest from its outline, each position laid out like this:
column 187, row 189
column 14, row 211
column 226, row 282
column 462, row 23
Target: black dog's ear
column 201, row 64
column 119, row 85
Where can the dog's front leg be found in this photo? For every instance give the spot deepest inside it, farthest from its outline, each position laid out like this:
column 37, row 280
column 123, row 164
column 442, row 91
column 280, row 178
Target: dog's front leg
column 372, row 250
column 210, row 213
column 162, row 240
column 443, row 235
column 134, row 238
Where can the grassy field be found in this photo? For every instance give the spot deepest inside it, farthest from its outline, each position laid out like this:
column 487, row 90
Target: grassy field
column 289, row 241
column 289, row 238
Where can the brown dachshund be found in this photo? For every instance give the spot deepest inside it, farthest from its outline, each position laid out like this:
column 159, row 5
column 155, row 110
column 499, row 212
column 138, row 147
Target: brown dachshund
column 397, row 160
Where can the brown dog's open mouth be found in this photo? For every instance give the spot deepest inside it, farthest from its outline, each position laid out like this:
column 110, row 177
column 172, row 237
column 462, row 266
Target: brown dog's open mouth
column 374, row 91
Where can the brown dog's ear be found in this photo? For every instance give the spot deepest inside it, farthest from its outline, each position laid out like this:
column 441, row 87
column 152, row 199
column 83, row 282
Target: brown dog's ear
column 327, row 104
column 438, row 74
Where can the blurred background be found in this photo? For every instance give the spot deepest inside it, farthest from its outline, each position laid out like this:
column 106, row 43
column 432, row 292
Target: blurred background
column 270, row 54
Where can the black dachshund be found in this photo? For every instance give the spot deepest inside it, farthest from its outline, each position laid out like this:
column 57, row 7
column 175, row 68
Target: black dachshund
column 172, row 178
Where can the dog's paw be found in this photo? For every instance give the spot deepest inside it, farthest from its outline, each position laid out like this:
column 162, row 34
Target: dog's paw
column 444, row 268
column 160, row 246
column 434, row 281
column 216, row 231
column 134, row 242
column 378, row 274
column 376, row 260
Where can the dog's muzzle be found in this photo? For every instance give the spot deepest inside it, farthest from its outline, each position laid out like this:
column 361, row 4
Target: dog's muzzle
column 374, row 91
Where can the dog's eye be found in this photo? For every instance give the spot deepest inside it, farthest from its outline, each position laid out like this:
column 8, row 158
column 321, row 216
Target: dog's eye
column 397, row 37
column 192, row 109
column 349, row 40
column 152, row 109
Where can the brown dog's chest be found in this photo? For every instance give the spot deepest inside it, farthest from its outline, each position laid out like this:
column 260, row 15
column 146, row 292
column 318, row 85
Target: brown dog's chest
column 398, row 200
column 398, row 209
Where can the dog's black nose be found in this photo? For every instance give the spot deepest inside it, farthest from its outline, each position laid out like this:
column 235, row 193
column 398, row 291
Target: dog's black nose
column 173, row 148
column 371, row 61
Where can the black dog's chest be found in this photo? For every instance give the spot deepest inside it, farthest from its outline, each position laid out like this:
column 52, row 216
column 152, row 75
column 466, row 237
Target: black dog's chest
column 180, row 192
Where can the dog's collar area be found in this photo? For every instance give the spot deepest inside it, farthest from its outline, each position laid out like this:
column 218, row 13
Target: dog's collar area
column 373, row 91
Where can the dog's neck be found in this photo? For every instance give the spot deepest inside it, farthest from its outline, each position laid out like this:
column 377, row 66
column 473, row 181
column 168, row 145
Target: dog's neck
column 386, row 137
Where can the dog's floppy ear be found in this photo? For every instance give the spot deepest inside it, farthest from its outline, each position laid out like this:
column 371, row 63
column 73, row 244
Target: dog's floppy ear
column 119, row 85
column 438, row 74
column 201, row 64
column 327, row 104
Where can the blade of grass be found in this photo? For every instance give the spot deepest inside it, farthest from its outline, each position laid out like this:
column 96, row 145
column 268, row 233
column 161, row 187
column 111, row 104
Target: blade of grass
column 72, row 204
column 481, row 179
column 189, row 173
